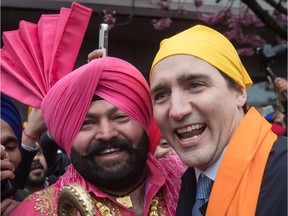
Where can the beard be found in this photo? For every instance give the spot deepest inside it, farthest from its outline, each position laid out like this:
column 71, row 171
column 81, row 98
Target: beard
column 36, row 179
column 113, row 175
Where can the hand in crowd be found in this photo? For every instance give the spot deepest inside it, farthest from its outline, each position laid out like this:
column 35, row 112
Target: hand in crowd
column 7, row 205
column 35, row 127
column 7, row 167
column 7, row 172
column 281, row 84
column 95, row 54
column 279, row 118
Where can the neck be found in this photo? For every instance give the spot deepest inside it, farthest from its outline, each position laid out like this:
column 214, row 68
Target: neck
column 135, row 195
column 128, row 191
column 34, row 188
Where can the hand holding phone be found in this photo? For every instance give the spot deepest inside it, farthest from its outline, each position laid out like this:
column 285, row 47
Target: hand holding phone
column 8, row 186
column 103, row 38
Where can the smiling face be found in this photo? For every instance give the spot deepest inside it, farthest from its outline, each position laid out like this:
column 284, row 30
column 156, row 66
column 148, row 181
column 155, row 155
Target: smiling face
column 110, row 147
column 194, row 108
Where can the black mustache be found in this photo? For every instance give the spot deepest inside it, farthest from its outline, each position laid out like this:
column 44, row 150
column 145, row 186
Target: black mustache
column 36, row 164
column 99, row 146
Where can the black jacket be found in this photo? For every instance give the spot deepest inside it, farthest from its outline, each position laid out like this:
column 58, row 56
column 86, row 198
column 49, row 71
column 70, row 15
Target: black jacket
column 272, row 199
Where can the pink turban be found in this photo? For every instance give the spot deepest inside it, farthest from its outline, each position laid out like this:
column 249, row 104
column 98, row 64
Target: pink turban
column 116, row 81
column 154, row 135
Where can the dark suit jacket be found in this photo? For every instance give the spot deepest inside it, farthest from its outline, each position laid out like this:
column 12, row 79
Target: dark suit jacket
column 272, row 199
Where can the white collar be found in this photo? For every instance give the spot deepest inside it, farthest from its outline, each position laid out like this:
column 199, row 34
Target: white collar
column 211, row 171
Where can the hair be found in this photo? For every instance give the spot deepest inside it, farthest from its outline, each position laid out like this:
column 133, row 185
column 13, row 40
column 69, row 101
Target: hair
column 233, row 85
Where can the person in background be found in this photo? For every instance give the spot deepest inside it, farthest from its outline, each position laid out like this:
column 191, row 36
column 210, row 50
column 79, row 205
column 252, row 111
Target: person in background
column 14, row 167
column 158, row 145
column 281, row 85
column 277, row 120
column 163, row 149
column 11, row 135
column 97, row 117
column 37, row 179
column 198, row 90
column 55, row 156
column 36, row 132
column 281, row 89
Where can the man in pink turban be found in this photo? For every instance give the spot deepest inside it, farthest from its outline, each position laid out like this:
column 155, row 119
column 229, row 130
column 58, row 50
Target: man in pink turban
column 100, row 114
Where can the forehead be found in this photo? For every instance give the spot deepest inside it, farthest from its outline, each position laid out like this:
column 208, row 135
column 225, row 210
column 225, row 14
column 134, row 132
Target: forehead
column 7, row 134
column 177, row 67
column 6, row 129
column 101, row 106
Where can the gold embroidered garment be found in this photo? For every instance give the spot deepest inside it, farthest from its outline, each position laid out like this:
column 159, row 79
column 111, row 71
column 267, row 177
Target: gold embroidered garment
column 162, row 176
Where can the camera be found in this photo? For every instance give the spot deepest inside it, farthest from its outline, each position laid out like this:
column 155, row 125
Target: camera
column 8, row 188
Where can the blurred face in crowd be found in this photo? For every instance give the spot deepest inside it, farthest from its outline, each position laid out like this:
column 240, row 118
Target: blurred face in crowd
column 195, row 108
column 110, row 147
column 11, row 143
column 163, row 149
column 38, row 170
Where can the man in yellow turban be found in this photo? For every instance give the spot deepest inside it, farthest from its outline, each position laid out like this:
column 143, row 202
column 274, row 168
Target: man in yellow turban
column 198, row 89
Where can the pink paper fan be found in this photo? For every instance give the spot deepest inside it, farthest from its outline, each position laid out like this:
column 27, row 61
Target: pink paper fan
column 36, row 56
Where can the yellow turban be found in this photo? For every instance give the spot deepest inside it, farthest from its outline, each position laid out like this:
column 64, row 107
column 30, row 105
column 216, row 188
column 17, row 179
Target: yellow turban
column 209, row 45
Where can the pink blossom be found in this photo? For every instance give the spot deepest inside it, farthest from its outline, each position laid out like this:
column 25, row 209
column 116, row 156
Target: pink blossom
column 109, row 18
column 246, row 51
column 181, row 11
column 163, row 5
column 280, row 16
column 198, row 3
column 213, row 19
column 161, row 23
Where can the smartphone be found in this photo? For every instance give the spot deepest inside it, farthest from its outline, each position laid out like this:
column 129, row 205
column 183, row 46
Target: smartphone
column 8, row 188
column 103, row 38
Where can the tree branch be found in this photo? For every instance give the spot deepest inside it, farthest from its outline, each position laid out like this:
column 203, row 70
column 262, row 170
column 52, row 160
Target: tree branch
column 266, row 18
column 277, row 6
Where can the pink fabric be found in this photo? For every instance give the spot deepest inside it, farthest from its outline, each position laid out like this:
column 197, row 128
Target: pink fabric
column 154, row 135
column 163, row 173
column 118, row 82
column 36, row 56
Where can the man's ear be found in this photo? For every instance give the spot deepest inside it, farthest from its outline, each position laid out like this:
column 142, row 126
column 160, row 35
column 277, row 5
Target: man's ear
column 241, row 96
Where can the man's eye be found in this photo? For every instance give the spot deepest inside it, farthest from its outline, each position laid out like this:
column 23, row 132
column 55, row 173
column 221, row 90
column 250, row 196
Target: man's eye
column 11, row 147
column 88, row 122
column 164, row 145
column 160, row 96
column 195, row 85
column 121, row 117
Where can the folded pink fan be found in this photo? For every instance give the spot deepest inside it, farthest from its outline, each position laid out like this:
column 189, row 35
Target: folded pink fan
column 36, row 56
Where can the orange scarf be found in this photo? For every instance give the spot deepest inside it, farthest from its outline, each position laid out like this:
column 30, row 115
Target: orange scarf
column 237, row 185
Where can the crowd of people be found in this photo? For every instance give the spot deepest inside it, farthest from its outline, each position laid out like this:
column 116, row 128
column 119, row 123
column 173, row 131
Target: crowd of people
column 183, row 143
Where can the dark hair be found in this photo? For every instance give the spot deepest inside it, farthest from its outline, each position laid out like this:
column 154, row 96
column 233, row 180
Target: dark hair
column 96, row 97
column 232, row 84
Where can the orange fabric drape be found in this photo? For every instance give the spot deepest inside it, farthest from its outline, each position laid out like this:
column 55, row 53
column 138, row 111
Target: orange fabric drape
column 237, row 185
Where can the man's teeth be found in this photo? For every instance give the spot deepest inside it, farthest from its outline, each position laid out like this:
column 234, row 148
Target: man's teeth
column 190, row 128
column 106, row 151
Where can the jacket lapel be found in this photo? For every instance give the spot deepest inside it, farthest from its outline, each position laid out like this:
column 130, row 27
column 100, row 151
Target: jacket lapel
column 187, row 193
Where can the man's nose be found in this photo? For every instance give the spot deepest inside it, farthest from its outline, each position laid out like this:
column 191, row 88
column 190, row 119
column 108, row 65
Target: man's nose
column 106, row 130
column 179, row 107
